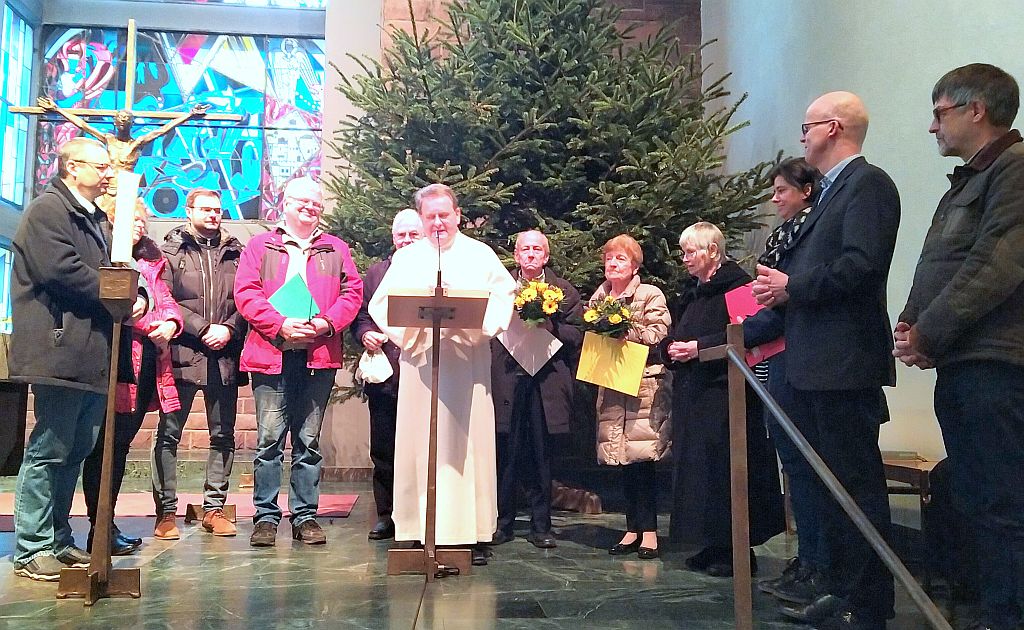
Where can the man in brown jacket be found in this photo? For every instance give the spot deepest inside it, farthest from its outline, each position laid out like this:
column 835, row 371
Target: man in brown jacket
column 202, row 259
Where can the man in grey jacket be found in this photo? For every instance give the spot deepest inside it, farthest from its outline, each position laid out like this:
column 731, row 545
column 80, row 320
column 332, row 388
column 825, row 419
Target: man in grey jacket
column 61, row 345
column 202, row 259
column 965, row 317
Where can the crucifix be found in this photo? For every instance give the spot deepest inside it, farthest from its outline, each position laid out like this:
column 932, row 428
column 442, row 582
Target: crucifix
column 118, row 290
column 124, row 150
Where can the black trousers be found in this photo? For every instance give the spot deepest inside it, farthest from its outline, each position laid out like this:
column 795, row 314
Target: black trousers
column 126, row 426
column 639, row 486
column 524, row 458
column 221, row 403
column 845, row 435
column 980, row 408
column 383, row 415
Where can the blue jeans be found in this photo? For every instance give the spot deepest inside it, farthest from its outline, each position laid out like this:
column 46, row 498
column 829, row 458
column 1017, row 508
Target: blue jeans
column 292, row 401
column 980, row 408
column 805, row 489
column 67, row 423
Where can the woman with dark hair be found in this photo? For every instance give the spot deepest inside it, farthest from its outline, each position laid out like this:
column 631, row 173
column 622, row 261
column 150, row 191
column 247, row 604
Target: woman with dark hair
column 145, row 377
column 701, row 507
column 796, row 186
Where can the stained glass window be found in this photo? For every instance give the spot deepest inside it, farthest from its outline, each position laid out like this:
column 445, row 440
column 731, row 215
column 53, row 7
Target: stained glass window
column 6, row 264
column 16, row 68
column 275, row 84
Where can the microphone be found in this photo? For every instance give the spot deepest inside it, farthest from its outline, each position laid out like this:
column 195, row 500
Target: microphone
column 437, row 235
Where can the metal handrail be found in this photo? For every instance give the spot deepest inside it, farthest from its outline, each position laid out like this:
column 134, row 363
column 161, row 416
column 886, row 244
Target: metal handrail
column 878, row 544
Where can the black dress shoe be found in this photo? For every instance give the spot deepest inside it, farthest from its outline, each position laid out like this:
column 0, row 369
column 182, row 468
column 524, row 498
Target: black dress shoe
column 130, row 540
column 122, row 545
column 500, row 537
column 383, row 530
column 723, row 566
column 479, row 556
column 817, row 611
column 646, row 553
column 704, row 558
column 618, row 549
column 542, row 540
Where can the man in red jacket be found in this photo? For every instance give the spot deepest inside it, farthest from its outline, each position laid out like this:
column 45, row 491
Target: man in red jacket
column 292, row 359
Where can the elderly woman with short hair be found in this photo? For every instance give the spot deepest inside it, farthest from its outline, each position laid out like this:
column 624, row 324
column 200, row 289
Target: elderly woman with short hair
column 701, row 511
column 633, row 432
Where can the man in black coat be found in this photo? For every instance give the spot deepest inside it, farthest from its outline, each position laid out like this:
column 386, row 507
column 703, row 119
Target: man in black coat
column 529, row 409
column 838, row 347
column 382, row 398
column 61, row 345
column 201, row 261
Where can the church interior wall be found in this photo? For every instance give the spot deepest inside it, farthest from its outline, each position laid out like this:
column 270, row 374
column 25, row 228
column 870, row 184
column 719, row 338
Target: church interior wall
column 784, row 54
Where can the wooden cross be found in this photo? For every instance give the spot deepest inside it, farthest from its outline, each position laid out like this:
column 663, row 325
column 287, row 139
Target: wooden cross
column 129, row 93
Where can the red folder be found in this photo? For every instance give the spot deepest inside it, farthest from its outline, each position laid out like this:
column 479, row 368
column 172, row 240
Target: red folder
column 741, row 304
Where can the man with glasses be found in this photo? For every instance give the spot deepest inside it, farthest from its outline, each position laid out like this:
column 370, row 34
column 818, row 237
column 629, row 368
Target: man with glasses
column 382, row 398
column 202, row 259
column 965, row 318
column 61, row 345
column 832, row 282
column 293, row 357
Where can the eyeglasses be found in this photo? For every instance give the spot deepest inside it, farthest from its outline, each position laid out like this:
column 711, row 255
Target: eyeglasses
column 207, row 209
column 804, row 128
column 309, row 204
column 939, row 111
column 100, row 168
column 688, row 254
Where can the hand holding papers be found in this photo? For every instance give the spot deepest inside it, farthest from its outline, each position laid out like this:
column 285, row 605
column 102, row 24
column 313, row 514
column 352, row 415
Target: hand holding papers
column 294, row 300
column 613, row 363
column 531, row 346
column 741, row 304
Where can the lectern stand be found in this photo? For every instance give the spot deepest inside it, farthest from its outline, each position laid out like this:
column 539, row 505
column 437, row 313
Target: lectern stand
column 416, row 309
column 118, row 291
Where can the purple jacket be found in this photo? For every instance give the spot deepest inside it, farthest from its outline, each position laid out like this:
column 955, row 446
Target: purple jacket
column 333, row 281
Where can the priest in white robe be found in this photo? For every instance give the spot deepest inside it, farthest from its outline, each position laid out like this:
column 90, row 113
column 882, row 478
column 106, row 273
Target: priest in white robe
column 466, row 474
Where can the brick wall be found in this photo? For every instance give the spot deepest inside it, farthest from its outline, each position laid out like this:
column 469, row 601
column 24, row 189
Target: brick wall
column 195, row 435
column 648, row 15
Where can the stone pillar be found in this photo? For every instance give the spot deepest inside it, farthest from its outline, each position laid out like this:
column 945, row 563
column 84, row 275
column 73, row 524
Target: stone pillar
column 351, row 28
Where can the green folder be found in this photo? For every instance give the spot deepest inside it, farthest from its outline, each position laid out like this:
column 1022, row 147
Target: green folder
column 293, row 299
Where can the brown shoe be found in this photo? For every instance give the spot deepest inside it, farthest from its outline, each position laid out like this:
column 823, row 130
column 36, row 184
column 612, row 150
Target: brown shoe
column 166, row 528
column 217, row 524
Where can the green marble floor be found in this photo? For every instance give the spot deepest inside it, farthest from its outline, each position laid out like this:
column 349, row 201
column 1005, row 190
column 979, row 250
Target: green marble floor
column 206, row 582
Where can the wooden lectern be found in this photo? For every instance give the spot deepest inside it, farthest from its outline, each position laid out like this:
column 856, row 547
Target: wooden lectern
column 418, row 308
column 118, row 291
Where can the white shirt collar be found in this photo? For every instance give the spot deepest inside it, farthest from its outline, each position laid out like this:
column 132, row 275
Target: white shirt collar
column 88, row 205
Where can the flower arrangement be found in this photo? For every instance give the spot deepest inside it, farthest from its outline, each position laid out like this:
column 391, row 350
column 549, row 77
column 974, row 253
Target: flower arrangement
column 608, row 317
column 538, row 301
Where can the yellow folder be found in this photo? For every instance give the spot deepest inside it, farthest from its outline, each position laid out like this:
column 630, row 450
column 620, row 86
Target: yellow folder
column 613, row 363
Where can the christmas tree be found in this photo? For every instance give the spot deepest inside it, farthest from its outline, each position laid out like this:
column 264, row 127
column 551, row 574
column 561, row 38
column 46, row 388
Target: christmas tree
column 542, row 114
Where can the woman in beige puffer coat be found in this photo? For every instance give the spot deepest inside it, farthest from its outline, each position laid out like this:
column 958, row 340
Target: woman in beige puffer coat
column 635, row 431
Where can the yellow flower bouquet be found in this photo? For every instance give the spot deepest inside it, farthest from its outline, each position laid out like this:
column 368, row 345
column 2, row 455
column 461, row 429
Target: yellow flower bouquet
column 608, row 317
column 538, row 301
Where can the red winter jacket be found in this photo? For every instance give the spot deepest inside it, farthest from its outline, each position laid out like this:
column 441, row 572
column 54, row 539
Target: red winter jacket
column 151, row 265
column 333, row 281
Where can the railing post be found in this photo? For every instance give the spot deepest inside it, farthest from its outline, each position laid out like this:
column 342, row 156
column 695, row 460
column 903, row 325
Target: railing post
column 741, row 581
